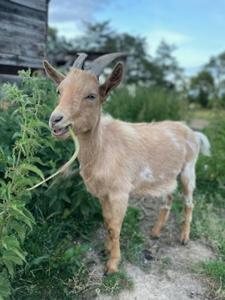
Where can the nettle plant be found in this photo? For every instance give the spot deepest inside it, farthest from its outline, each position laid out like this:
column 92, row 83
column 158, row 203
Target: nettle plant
column 21, row 111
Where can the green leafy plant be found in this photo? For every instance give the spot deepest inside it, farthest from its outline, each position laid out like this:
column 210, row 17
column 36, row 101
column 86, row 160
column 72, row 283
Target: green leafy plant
column 27, row 152
column 19, row 172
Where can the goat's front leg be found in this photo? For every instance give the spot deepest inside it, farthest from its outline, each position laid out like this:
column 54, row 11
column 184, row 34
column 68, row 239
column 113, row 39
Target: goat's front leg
column 114, row 208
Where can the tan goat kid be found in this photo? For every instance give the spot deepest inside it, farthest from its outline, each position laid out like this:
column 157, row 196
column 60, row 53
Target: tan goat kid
column 119, row 159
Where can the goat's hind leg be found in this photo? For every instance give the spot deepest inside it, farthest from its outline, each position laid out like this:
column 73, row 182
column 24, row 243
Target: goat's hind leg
column 188, row 182
column 162, row 217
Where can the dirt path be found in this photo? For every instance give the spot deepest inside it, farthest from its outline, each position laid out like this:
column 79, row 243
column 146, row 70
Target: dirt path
column 169, row 275
column 198, row 124
column 173, row 282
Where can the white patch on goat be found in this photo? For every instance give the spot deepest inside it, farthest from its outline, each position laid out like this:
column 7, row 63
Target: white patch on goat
column 189, row 174
column 165, row 203
column 147, row 174
column 192, row 146
column 173, row 137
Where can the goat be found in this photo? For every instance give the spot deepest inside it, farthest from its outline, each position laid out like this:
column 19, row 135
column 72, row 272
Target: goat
column 119, row 159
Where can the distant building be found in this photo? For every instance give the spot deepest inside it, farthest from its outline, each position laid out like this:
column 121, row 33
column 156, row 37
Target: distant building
column 23, row 36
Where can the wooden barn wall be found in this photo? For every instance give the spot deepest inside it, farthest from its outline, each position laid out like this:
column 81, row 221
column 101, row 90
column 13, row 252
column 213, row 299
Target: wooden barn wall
column 23, row 26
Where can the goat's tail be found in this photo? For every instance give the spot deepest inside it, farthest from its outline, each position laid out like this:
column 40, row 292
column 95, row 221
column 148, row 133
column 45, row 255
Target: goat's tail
column 204, row 143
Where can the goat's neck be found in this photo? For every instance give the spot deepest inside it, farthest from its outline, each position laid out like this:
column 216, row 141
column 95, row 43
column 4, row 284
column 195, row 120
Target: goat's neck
column 90, row 146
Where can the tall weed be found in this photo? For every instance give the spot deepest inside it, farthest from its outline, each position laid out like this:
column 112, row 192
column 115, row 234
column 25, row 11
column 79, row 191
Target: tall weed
column 145, row 104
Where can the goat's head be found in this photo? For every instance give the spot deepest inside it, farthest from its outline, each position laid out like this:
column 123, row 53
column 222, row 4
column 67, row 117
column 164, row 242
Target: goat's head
column 81, row 95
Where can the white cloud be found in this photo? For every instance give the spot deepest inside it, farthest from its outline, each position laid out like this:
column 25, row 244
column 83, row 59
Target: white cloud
column 188, row 56
column 67, row 16
column 191, row 57
column 69, row 30
column 172, row 37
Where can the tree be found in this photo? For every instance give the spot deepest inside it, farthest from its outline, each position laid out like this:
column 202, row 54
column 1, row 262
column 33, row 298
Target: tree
column 202, row 88
column 101, row 38
column 141, row 68
column 171, row 72
column 56, row 45
column 216, row 67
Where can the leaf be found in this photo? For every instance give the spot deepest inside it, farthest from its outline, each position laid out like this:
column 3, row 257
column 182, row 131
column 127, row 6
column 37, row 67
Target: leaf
column 19, row 253
column 34, row 169
column 9, row 266
column 18, row 214
column 39, row 260
column 5, row 287
column 19, row 229
column 10, row 257
column 10, row 242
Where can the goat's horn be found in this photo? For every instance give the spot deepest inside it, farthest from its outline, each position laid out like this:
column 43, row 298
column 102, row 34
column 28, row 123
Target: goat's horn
column 79, row 62
column 101, row 62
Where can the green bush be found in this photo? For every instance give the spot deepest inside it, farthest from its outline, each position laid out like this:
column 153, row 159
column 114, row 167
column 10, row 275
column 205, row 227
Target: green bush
column 145, row 104
column 27, row 151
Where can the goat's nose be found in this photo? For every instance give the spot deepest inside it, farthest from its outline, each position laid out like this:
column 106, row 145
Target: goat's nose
column 55, row 118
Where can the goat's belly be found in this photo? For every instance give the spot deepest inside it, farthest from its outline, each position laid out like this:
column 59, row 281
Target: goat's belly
column 154, row 189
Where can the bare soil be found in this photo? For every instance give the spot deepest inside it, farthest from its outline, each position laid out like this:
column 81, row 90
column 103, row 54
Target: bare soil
column 169, row 266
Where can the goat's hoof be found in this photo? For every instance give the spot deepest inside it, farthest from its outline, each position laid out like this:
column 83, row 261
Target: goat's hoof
column 184, row 242
column 184, row 239
column 111, row 266
column 154, row 234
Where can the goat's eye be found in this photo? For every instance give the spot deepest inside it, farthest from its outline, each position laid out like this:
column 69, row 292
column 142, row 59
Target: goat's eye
column 90, row 97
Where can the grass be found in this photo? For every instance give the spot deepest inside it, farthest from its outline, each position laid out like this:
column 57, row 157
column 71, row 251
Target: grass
column 57, row 248
column 208, row 225
column 215, row 268
column 208, row 217
column 132, row 239
column 114, row 283
column 204, row 114
column 61, row 263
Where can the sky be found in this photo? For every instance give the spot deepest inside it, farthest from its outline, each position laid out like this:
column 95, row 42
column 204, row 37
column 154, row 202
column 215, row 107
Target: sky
column 195, row 27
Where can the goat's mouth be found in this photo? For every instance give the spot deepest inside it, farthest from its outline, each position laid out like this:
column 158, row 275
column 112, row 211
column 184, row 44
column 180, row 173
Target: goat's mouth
column 59, row 132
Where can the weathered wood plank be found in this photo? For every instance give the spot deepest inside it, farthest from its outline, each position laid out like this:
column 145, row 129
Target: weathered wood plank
column 20, row 60
column 35, row 4
column 31, row 49
column 23, row 34
column 22, row 27
column 17, row 33
column 5, row 78
column 16, row 20
column 14, row 9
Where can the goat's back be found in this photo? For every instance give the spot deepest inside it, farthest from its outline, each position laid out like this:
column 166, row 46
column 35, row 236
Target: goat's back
column 148, row 155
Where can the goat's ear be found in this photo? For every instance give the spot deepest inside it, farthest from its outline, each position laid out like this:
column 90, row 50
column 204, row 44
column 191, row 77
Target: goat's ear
column 112, row 81
column 56, row 76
